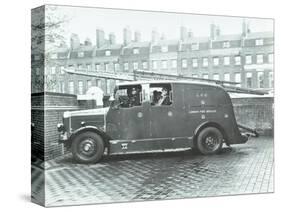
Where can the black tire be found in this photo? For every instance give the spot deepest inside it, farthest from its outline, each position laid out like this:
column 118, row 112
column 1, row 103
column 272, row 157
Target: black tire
column 88, row 147
column 209, row 141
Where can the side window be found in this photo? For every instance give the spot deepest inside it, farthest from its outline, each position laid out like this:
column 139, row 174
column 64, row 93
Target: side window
column 128, row 96
column 161, row 94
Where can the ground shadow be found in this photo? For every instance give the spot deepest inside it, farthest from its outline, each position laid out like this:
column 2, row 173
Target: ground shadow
column 25, row 197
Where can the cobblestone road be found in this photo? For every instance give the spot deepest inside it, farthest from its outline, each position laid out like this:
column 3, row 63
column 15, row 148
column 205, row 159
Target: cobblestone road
column 241, row 169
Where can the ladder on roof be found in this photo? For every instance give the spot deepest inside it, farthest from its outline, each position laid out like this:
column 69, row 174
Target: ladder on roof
column 227, row 85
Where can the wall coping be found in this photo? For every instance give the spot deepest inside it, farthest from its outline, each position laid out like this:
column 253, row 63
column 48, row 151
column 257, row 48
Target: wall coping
column 53, row 94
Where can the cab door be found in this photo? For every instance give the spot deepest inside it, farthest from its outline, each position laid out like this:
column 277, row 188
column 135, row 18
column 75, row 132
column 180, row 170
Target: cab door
column 127, row 121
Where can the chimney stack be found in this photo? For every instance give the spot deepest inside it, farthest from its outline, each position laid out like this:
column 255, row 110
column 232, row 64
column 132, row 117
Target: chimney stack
column 190, row 33
column 137, row 36
column 212, row 31
column 127, row 36
column 183, row 33
column 88, row 42
column 100, row 40
column 155, row 36
column 218, row 31
column 112, row 39
column 74, row 41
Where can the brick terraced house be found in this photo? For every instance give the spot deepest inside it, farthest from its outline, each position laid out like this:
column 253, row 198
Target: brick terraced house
column 245, row 58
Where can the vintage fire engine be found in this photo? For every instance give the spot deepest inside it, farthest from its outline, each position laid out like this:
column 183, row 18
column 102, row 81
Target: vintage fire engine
column 154, row 116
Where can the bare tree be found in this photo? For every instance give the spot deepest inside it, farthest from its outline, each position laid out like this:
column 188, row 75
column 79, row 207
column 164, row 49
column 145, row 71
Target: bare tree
column 46, row 36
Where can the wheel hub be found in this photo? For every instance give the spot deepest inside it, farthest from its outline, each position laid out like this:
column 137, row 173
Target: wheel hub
column 210, row 142
column 87, row 147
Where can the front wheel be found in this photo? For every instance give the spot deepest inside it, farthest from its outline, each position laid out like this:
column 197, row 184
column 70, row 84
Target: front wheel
column 209, row 141
column 88, row 147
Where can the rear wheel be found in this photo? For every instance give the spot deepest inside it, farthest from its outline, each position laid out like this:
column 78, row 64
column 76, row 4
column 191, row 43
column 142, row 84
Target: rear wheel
column 209, row 141
column 88, row 147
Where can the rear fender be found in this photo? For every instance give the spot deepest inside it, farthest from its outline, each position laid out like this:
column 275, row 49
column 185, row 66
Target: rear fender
column 209, row 124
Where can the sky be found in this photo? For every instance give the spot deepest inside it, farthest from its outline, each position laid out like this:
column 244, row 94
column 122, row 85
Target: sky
column 84, row 21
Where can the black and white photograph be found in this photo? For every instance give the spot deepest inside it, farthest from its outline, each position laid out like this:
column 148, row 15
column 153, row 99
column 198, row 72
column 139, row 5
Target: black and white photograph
column 135, row 105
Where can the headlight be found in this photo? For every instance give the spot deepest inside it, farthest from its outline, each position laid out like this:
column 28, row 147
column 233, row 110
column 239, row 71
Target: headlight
column 60, row 127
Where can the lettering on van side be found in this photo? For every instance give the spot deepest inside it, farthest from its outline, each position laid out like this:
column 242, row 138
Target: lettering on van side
column 202, row 111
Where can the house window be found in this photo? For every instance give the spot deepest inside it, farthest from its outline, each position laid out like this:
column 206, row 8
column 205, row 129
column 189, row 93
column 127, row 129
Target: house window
column 71, row 66
column 205, row 76
column 71, row 87
column 116, row 67
column 106, row 65
column 237, row 60
column 108, row 86
column 144, row 65
column 226, row 77
column 226, row 44
column 154, row 64
column 226, row 60
column 80, row 67
column 136, row 51
column 238, row 79
column 80, row 87
column 135, row 65
column 194, row 75
column 37, row 71
column 259, row 42
column 270, row 78
column 260, row 79
column 184, row 63
column 107, row 53
column 89, row 67
column 174, row 64
column 164, row 48
column 205, row 62
column 97, row 67
column 89, row 84
column 216, row 76
column 80, row 54
column 126, row 66
column 194, row 62
column 248, row 59
column 53, row 70
column 259, row 58
column 54, row 56
column 216, row 61
column 62, row 87
column 195, row 46
column 62, row 70
column 164, row 64
column 37, row 57
column 98, row 83
column 270, row 58
column 249, row 80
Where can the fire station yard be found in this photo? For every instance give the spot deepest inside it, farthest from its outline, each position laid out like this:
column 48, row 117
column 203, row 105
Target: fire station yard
column 241, row 169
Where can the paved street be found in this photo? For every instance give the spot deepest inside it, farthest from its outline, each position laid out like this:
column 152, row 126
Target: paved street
column 241, row 169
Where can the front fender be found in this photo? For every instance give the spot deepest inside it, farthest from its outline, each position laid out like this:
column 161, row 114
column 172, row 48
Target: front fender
column 94, row 129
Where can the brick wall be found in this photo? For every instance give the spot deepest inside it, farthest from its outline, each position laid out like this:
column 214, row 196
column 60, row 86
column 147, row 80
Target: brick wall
column 257, row 113
column 47, row 111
